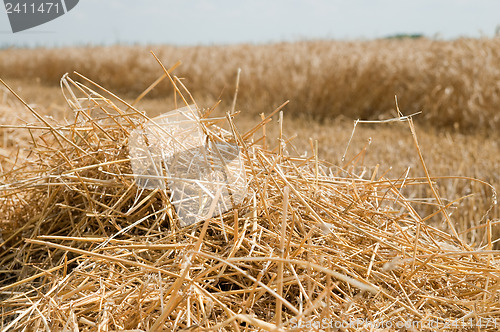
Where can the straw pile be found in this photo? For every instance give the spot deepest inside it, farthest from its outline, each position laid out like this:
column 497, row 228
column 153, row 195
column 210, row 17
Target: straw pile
column 312, row 246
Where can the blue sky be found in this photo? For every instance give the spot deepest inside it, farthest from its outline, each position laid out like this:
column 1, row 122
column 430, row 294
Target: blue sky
column 192, row 22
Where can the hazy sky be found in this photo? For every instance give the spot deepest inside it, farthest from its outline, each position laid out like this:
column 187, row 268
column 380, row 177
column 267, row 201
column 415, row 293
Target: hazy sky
column 188, row 22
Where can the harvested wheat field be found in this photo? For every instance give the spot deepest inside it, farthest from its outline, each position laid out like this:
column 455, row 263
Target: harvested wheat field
column 314, row 234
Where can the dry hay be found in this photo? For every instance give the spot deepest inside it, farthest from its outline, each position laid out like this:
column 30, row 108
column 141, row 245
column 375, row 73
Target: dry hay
column 84, row 249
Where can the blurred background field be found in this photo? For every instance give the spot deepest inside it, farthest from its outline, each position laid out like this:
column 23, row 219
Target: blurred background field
column 455, row 84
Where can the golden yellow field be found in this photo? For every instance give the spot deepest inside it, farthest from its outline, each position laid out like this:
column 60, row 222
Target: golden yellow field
column 419, row 257
column 454, row 83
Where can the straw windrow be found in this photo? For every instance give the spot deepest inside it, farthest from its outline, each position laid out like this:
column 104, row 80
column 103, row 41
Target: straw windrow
column 85, row 249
